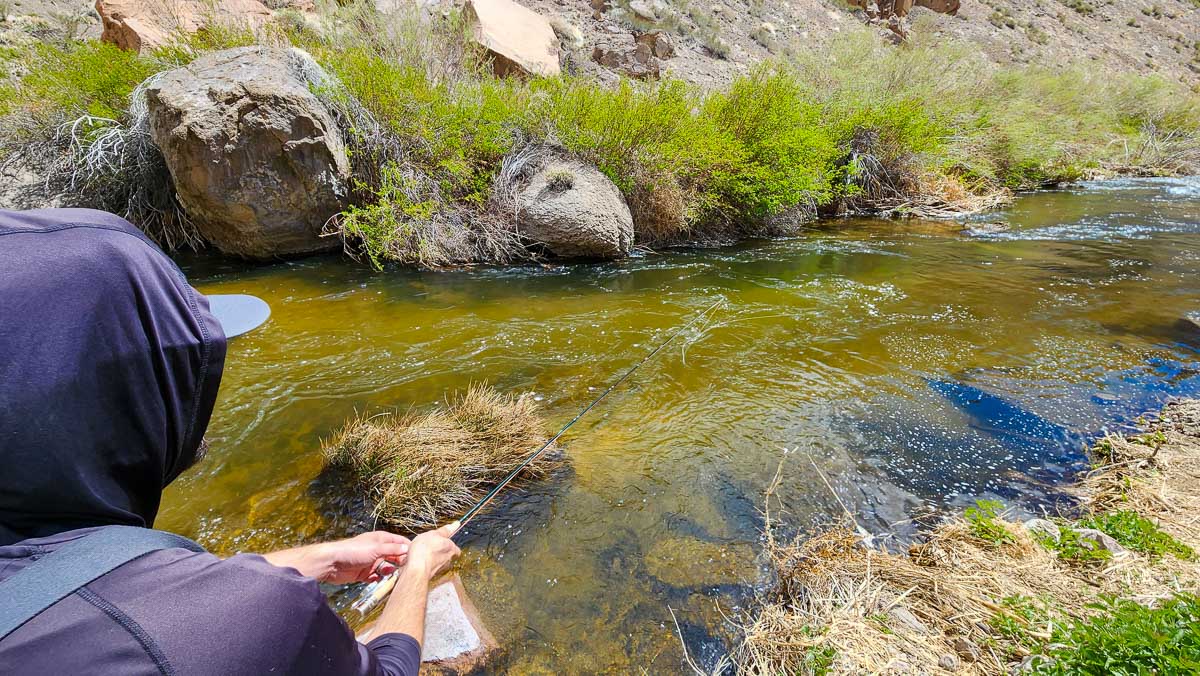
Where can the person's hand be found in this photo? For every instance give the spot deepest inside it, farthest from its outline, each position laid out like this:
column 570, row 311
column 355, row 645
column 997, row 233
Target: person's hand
column 366, row 557
column 433, row 551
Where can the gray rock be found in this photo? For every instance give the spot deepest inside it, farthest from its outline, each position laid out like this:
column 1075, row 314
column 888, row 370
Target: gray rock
column 904, row 617
column 568, row 33
column 948, row 662
column 643, row 10
column 575, row 211
column 1100, row 540
column 256, row 159
column 1043, row 528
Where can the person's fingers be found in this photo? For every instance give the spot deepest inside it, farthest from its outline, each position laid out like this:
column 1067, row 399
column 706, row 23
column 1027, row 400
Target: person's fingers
column 448, row 530
column 384, row 536
column 391, row 549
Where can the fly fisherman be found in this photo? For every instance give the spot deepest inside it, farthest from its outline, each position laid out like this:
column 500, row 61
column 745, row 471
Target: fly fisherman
column 110, row 375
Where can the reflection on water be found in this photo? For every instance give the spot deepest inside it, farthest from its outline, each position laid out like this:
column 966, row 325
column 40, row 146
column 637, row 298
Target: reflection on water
column 916, row 366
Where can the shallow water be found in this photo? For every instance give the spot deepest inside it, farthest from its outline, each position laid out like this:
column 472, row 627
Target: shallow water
column 913, row 366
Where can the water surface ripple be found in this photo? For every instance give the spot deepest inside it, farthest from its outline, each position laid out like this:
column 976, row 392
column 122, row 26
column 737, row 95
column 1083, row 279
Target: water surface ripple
column 918, row 366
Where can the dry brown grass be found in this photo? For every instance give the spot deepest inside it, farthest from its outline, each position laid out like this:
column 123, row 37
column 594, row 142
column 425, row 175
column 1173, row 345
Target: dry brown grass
column 418, row 471
column 852, row 609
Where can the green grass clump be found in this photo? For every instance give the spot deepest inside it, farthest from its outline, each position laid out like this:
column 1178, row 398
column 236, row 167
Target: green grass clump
column 1070, row 546
column 1138, row 533
column 64, row 81
column 985, row 522
column 1016, row 623
column 1125, row 637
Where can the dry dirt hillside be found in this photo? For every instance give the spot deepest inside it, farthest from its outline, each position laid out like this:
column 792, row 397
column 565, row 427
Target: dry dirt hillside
column 714, row 40
column 1142, row 36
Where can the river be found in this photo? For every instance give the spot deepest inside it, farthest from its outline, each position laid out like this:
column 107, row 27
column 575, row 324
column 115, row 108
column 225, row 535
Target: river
column 915, row 366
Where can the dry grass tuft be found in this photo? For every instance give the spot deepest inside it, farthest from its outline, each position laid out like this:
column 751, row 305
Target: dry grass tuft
column 962, row 599
column 421, row 470
column 1155, row 474
column 891, row 181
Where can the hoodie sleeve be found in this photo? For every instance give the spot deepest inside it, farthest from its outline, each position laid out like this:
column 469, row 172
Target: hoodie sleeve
column 331, row 644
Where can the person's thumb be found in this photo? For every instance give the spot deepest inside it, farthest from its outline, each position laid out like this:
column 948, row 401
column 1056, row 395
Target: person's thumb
column 449, row 529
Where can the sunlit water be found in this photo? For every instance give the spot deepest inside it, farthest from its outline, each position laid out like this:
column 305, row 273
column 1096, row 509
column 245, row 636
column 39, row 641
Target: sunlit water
column 914, row 366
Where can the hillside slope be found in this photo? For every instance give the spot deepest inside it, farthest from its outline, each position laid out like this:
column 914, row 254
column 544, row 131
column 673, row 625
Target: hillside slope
column 717, row 39
column 1140, row 36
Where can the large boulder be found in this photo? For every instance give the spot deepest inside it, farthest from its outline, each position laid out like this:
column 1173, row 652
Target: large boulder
column 574, row 211
column 257, row 161
column 519, row 40
column 146, row 24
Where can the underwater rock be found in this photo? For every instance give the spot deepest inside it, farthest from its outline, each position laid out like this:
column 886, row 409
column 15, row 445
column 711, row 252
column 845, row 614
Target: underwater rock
column 494, row 588
column 688, row 562
column 455, row 637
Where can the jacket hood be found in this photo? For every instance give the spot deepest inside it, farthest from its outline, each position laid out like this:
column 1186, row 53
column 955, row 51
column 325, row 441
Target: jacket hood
column 111, row 369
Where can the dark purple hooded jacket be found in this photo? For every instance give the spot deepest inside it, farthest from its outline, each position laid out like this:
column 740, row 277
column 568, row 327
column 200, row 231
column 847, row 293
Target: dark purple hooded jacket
column 110, row 371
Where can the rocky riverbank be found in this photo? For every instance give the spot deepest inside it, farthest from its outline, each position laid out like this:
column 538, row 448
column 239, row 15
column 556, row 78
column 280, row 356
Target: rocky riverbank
column 439, row 134
column 1110, row 589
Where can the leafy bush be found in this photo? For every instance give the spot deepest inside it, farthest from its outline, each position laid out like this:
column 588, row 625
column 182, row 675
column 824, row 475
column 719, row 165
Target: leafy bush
column 1138, row 533
column 985, row 523
column 1125, row 637
column 1070, row 546
column 64, row 81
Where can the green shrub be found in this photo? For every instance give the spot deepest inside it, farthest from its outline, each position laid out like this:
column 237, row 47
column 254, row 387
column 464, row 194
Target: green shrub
column 1070, row 546
column 1020, row 614
column 1125, row 637
column 1138, row 533
column 985, row 523
column 64, row 81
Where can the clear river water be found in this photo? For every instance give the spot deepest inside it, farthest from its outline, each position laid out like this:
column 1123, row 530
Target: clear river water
column 914, row 366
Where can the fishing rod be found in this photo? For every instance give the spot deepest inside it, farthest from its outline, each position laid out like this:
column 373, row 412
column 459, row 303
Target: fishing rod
column 513, row 474
column 384, row 587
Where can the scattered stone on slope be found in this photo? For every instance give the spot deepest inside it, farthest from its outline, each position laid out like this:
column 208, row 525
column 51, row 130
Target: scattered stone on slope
column 1097, row 539
column 568, row 33
column 256, row 159
column 520, row 41
column 643, row 10
column 634, row 60
column 659, row 43
column 574, row 210
column 146, row 24
column 941, row 6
